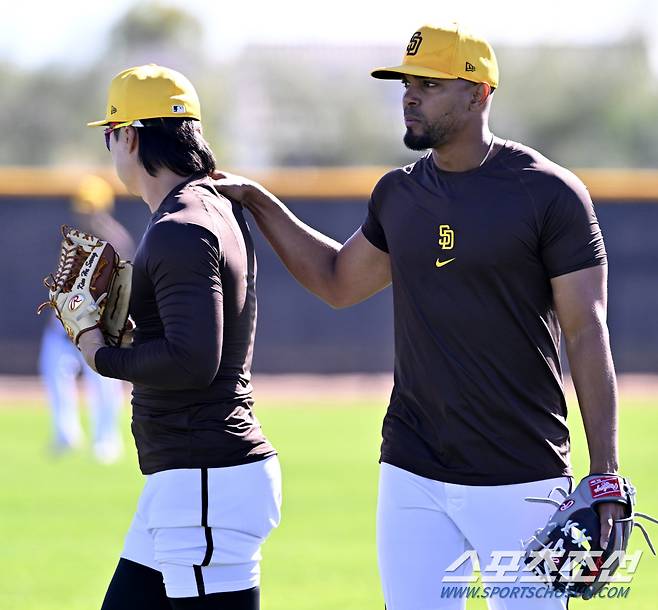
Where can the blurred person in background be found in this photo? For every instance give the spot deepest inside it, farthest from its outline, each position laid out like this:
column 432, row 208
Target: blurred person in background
column 491, row 250
column 61, row 364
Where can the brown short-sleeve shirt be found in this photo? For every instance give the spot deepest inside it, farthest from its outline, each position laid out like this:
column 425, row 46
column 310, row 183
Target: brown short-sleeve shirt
column 478, row 396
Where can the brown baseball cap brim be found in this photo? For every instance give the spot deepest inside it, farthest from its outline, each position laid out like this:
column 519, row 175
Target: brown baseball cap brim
column 397, row 72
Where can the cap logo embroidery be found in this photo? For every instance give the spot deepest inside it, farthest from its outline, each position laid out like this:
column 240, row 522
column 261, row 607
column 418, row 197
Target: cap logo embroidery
column 414, row 44
column 113, row 110
column 470, row 67
column 178, row 108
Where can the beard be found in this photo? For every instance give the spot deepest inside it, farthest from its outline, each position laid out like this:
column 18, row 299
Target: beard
column 431, row 136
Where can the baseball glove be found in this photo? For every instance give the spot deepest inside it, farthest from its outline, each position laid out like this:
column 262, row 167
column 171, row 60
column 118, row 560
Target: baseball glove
column 90, row 289
column 566, row 553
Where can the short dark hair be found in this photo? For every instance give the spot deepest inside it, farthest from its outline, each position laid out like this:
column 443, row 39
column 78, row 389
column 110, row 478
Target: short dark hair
column 174, row 143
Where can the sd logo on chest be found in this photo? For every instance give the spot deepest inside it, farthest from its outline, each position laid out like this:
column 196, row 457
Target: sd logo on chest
column 446, row 241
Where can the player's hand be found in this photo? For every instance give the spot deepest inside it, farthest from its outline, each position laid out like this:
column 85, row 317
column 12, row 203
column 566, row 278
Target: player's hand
column 89, row 343
column 608, row 513
column 247, row 193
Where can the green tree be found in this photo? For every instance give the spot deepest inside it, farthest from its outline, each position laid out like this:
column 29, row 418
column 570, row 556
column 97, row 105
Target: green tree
column 45, row 110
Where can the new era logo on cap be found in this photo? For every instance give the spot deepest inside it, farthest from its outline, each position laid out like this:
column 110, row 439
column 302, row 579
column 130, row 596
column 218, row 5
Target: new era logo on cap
column 178, row 108
column 469, row 67
column 113, row 110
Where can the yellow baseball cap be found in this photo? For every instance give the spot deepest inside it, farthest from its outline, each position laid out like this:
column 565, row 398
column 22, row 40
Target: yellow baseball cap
column 446, row 52
column 149, row 92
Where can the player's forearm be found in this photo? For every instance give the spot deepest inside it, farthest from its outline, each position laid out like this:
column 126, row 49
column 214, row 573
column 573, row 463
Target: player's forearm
column 159, row 364
column 309, row 255
column 593, row 375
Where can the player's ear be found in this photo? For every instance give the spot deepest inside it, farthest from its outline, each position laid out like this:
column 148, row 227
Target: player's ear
column 480, row 95
column 131, row 136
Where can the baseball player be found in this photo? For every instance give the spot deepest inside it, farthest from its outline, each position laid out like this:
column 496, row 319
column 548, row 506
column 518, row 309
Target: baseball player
column 491, row 249
column 60, row 363
column 213, row 488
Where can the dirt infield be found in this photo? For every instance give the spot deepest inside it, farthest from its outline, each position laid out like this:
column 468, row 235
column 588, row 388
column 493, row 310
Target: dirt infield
column 319, row 388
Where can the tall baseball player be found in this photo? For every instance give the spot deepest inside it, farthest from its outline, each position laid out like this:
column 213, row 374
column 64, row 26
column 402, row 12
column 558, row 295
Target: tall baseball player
column 212, row 491
column 491, row 249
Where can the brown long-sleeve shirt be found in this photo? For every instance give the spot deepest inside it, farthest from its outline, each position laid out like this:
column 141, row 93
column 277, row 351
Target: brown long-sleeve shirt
column 193, row 301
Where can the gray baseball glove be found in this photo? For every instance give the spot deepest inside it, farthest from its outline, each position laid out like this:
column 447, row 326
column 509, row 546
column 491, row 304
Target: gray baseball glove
column 566, row 553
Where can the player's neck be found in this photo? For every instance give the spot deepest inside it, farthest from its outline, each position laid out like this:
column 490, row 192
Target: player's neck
column 466, row 152
column 153, row 189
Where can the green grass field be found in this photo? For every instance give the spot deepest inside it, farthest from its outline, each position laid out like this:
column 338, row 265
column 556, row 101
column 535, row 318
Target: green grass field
column 62, row 521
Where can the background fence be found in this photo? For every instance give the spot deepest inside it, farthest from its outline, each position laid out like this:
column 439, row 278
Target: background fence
column 296, row 331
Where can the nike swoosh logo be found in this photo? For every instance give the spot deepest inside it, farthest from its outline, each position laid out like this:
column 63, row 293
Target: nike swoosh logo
column 440, row 263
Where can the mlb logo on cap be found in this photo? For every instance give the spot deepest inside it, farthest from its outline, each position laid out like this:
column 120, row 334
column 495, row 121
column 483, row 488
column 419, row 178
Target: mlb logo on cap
column 178, row 108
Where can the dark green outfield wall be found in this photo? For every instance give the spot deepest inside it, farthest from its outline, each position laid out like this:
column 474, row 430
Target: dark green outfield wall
column 296, row 332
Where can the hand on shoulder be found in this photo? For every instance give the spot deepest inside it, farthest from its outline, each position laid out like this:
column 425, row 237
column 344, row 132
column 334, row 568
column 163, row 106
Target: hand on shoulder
column 244, row 191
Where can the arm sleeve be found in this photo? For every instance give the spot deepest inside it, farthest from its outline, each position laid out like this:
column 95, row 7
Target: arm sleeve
column 571, row 238
column 184, row 266
column 371, row 227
